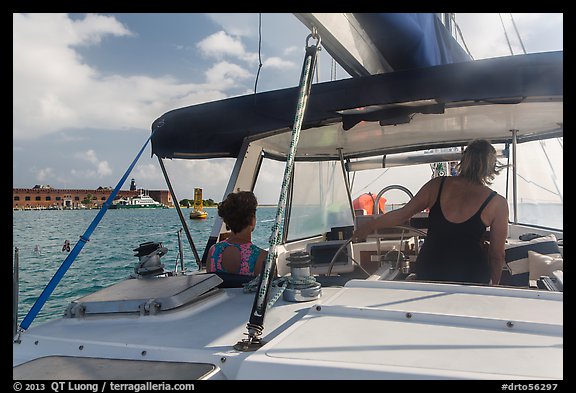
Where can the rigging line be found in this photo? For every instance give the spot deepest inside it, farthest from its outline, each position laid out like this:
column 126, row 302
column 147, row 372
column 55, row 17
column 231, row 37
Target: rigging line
column 353, row 178
column 259, row 51
column 373, row 181
column 506, row 34
column 256, row 321
column 560, row 142
column 554, row 176
column 541, row 187
column 518, row 33
column 39, row 303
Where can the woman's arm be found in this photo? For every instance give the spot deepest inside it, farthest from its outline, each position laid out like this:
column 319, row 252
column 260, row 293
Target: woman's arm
column 260, row 262
column 421, row 201
column 498, row 235
column 209, row 260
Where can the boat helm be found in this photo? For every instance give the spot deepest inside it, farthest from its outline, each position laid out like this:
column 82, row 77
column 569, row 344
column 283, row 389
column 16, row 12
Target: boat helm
column 397, row 260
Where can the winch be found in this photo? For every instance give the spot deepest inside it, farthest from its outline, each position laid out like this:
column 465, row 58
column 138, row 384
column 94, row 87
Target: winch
column 149, row 254
column 301, row 286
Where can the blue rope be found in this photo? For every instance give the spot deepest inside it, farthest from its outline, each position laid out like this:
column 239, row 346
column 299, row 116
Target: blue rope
column 78, row 247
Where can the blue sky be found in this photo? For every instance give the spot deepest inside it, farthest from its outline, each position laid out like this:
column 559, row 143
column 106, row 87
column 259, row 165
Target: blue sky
column 87, row 87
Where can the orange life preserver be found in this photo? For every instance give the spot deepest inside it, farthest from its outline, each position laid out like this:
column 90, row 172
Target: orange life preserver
column 366, row 202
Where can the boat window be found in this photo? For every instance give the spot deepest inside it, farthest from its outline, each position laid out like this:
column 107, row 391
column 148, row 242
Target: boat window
column 392, row 181
column 319, row 200
column 540, row 183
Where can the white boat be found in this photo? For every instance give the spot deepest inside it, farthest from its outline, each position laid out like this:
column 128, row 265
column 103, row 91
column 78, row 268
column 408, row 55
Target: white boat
column 140, row 201
column 347, row 312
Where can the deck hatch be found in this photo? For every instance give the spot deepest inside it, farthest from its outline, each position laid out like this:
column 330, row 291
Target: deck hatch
column 145, row 296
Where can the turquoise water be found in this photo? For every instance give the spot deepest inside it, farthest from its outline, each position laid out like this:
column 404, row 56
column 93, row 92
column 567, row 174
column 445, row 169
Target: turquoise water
column 108, row 257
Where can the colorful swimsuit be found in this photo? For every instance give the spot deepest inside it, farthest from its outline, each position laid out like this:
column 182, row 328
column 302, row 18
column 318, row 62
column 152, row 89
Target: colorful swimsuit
column 249, row 254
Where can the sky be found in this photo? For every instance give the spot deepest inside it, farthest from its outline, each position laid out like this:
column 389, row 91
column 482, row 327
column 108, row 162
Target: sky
column 87, row 87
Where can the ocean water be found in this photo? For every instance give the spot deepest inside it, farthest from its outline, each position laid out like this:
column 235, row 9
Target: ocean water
column 108, row 257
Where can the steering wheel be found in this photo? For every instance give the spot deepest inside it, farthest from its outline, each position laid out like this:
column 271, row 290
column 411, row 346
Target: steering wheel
column 345, row 244
column 376, row 208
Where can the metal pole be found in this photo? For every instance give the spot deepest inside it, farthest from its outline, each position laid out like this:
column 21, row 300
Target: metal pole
column 182, row 220
column 514, row 176
column 345, row 174
column 181, row 251
column 15, row 290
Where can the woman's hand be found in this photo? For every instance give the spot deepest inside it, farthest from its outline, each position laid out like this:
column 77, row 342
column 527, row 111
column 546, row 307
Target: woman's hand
column 362, row 233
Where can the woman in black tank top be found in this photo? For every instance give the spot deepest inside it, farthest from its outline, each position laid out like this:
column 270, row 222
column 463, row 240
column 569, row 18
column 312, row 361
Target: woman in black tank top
column 453, row 249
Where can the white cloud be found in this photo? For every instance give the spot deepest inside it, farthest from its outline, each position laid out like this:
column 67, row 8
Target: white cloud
column 89, row 155
column 44, row 174
column 224, row 74
column 221, row 44
column 277, row 62
column 47, row 176
column 147, row 172
column 210, row 175
column 237, row 24
column 102, row 167
column 291, row 50
column 54, row 90
column 94, row 27
column 485, row 37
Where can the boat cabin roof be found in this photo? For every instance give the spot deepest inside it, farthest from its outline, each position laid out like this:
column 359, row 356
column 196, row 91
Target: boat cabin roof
column 409, row 110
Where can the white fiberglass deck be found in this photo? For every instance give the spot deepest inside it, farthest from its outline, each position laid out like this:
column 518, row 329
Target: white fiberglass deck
column 413, row 330
column 368, row 329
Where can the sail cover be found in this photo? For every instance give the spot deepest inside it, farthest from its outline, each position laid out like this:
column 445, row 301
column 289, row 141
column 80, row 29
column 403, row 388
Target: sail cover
column 411, row 40
column 374, row 43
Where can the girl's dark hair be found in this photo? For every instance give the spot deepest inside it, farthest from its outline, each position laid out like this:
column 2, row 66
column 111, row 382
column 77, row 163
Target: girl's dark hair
column 479, row 163
column 238, row 209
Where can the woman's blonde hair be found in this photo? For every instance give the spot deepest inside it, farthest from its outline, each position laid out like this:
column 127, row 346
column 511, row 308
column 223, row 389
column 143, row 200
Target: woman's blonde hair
column 479, row 163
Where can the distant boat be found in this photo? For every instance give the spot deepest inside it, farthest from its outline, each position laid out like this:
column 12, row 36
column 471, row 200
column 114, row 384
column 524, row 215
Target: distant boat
column 198, row 213
column 138, row 202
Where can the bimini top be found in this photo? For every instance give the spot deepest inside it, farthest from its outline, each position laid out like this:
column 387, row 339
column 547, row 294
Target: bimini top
column 430, row 107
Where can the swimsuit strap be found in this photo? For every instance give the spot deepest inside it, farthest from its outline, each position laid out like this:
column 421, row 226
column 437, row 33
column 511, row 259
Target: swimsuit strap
column 440, row 189
column 488, row 199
